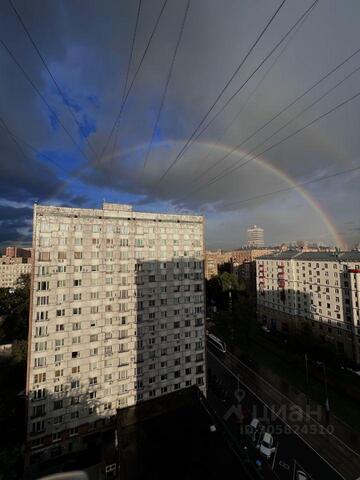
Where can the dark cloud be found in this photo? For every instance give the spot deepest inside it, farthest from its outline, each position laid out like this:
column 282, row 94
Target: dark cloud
column 87, row 50
column 15, row 224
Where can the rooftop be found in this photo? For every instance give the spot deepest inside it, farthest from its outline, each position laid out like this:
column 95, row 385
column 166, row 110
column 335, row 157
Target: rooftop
column 114, row 211
column 353, row 256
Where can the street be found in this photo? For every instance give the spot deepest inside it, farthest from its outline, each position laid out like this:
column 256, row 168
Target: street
column 239, row 404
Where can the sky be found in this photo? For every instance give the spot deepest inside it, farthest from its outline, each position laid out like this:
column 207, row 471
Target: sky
column 56, row 149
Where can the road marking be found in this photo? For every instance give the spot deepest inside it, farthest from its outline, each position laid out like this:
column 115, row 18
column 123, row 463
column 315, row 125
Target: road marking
column 294, row 404
column 273, row 463
column 277, row 415
column 294, row 469
column 303, row 469
column 284, row 465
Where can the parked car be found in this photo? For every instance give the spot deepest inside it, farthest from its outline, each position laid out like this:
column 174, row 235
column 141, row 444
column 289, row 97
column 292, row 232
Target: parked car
column 300, row 475
column 255, row 428
column 266, row 445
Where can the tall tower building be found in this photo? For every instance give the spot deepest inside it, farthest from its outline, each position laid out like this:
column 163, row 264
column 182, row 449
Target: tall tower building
column 116, row 318
column 255, row 236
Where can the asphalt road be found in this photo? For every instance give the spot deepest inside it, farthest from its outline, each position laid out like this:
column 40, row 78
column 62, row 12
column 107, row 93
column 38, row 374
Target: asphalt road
column 238, row 404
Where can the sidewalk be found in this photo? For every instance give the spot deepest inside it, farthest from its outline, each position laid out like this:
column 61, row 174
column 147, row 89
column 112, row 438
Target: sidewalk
column 341, row 448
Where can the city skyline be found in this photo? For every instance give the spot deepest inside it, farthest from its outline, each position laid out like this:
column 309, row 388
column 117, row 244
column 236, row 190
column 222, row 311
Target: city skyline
column 180, row 239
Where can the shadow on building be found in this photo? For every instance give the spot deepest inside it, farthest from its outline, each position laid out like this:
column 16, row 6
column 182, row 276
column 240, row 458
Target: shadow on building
column 152, row 346
column 293, row 312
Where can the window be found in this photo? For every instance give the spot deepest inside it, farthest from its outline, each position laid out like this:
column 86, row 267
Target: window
column 58, row 404
column 40, row 378
column 75, row 384
column 61, row 256
column 44, row 257
column 41, row 331
column 43, row 286
column 40, row 362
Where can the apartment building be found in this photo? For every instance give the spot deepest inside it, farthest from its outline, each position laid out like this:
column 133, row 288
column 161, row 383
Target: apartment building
column 117, row 318
column 213, row 260
column 11, row 269
column 17, row 252
column 217, row 260
column 319, row 289
column 255, row 236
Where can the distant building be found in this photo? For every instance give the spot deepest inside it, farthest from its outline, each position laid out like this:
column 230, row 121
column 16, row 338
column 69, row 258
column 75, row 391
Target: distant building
column 255, row 236
column 214, row 261
column 17, row 252
column 239, row 262
column 317, row 289
column 117, row 318
column 11, row 269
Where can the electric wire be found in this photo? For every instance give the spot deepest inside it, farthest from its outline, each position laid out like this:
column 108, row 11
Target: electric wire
column 127, row 75
column 230, row 168
column 164, row 93
column 39, row 93
column 28, row 145
column 312, row 122
column 300, row 184
column 52, row 76
column 119, row 115
column 248, row 100
column 222, row 91
column 230, row 99
column 283, row 110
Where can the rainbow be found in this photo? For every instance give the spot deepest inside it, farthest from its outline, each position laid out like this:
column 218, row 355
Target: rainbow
column 262, row 162
column 315, row 206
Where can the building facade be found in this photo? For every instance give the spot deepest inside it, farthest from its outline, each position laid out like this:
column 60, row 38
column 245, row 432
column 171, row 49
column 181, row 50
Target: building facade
column 255, row 236
column 117, row 318
column 17, row 252
column 321, row 290
column 11, row 269
column 218, row 260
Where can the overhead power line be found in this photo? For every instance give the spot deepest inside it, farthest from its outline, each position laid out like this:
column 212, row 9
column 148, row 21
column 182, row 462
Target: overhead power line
column 248, row 154
column 230, row 99
column 127, row 74
column 248, row 99
column 37, row 90
column 320, row 117
column 222, row 91
column 16, row 139
column 118, row 117
column 294, row 187
column 283, row 110
column 168, row 78
column 28, row 145
column 52, row 76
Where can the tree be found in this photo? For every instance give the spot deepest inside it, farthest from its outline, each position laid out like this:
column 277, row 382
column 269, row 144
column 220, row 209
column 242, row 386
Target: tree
column 14, row 310
column 218, row 288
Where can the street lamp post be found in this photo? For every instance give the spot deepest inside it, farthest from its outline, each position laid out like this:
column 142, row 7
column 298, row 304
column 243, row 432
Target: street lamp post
column 327, row 403
column 307, row 378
